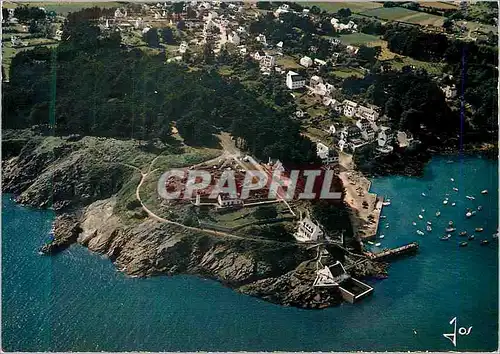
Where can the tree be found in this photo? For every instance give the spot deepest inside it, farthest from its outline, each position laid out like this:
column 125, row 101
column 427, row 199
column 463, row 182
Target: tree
column 344, row 12
column 266, row 212
column 447, row 24
column 151, row 38
column 315, row 10
column 5, row 14
column 168, row 35
column 178, row 7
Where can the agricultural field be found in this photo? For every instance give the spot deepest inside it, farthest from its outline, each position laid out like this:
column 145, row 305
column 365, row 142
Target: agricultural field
column 358, row 39
column 65, row 7
column 440, row 5
column 335, row 6
column 344, row 73
column 404, row 15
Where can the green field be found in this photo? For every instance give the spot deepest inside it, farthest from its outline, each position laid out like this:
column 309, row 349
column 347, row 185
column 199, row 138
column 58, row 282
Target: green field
column 65, row 7
column 358, row 39
column 404, row 15
column 348, row 72
column 431, row 68
column 355, row 6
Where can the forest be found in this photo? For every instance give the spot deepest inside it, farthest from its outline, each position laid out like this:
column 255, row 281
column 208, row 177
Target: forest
column 100, row 88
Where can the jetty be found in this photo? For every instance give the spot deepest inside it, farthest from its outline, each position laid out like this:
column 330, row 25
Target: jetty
column 387, row 254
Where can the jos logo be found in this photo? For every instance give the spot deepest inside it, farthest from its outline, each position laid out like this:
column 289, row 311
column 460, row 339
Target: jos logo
column 462, row 331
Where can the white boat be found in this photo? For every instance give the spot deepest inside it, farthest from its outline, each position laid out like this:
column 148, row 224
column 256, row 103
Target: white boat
column 452, row 179
column 421, row 233
column 468, row 214
column 383, row 216
column 450, row 223
column 377, row 244
column 370, row 242
column 438, row 213
column 414, row 223
column 423, row 210
column 453, row 204
column 420, row 216
column 445, row 201
column 474, row 212
column 480, row 207
column 455, row 189
column 485, row 191
column 386, row 203
column 429, row 223
column 424, row 195
column 381, row 236
column 429, row 229
column 387, row 226
column 470, row 197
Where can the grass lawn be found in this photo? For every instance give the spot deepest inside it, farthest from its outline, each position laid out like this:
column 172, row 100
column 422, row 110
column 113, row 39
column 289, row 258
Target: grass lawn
column 440, row 5
column 431, row 68
column 348, row 72
column 358, row 6
column 288, row 62
column 404, row 15
column 358, row 39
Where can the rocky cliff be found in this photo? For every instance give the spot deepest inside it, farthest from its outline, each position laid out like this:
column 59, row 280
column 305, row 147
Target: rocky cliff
column 83, row 182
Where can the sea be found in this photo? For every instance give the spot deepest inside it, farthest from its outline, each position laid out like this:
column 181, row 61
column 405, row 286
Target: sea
column 77, row 301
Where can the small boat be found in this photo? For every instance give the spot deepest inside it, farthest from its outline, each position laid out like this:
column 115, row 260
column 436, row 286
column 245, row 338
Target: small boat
column 388, row 200
column 422, row 210
column 387, row 226
column 377, row 244
column 455, row 189
column 381, row 236
column 452, row 179
column 463, row 244
column 484, row 242
column 450, row 229
column 450, row 223
column 420, row 216
column 445, row 201
column 479, row 229
column 470, row 197
column 453, row 204
column 383, row 216
column 424, row 195
column 386, row 203
column 428, row 228
column 438, row 213
column 429, row 223
column 421, row 233
column 370, row 242
column 445, row 237
column 414, row 223
column 468, row 214
column 480, row 207
column 473, row 212
column 485, row 191
column 471, row 237
column 463, row 233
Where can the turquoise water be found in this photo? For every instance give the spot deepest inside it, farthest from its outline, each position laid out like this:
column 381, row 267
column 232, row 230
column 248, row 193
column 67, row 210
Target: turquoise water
column 77, row 301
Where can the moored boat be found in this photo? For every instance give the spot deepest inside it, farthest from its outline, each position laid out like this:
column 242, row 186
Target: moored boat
column 386, row 203
column 428, row 228
column 453, row 204
column 445, row 201
column 370, row 242
column 484, row 191
column 468, row 214
column 424, row 195
column 484, row 242
column 463, row 244
column 445, row 237
column 377, row 244
column 480, row 207
column 450, row 222
column 414, row 223
column 479, row 229
column 452, row 179
column 421, row 233
column 450, row 229
column 470, row 197
column 429, row 223
column 420, row 216
column 455, row 189
column 471, row 237
column 381, row 236
column 463, row 233
column 438, row 213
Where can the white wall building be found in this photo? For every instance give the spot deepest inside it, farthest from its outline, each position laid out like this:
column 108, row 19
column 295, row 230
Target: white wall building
column 306, row 61
column 308, row 231
column 225, row 200
column 294, row 81
column 349, row 108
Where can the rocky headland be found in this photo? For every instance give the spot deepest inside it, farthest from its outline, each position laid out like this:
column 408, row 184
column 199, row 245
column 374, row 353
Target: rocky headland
column 90, row 184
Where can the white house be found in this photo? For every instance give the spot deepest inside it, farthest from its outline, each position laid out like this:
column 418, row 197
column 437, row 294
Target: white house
column 449, row 91
column 315, row 80
column 225, row 200
column 261, row 38
column 306, row 61
column 326, row 154
column 319, row 62
column 367, row 113
column 349, row 108
column 308, row 231
column 352, row 49
column 183, row 47
column 233, row 38
column 267, row 61
column 259, row 55
column 294, row 81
